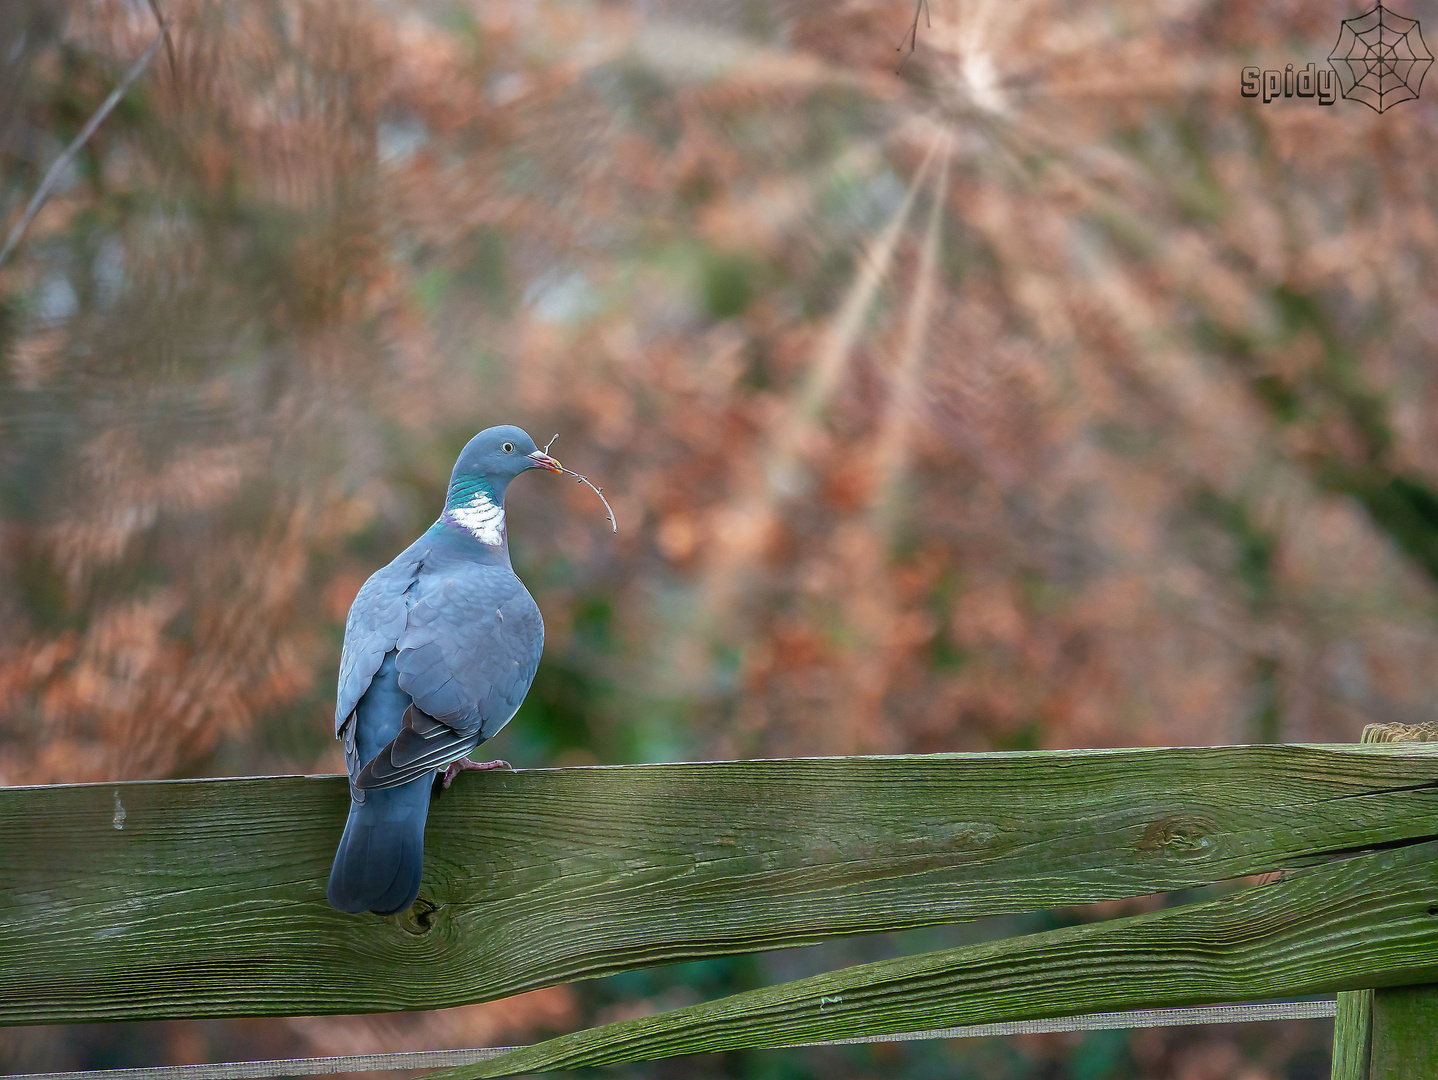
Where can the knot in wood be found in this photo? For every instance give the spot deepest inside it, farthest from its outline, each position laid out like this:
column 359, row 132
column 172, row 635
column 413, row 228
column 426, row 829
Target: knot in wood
column 1175, row 835
column 419, row 919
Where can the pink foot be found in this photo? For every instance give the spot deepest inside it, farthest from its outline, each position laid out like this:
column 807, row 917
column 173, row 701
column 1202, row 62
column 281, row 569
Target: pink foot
column 465, row 765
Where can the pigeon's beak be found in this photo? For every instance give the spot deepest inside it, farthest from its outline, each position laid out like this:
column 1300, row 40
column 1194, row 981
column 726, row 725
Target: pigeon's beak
column 544, row 461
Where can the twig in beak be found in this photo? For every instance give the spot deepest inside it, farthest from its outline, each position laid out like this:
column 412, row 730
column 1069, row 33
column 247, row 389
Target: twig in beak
column 585, row 480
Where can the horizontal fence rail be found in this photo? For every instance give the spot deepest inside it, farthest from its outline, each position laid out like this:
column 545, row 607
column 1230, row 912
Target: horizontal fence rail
column 206, row 898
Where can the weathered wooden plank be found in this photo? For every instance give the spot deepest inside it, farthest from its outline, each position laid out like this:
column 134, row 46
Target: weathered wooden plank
column 1364, row 921
column 1352, row 1035
column 209, row 900
column 1353, row 1026
column 1405, row 1034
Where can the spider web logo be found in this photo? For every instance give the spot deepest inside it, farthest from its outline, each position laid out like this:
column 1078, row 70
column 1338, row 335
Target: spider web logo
column 1380, row 58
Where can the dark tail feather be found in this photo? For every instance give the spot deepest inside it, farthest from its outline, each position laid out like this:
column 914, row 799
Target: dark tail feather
column 381, row 855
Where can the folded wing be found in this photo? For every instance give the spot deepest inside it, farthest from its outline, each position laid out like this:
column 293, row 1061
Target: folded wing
column 470, row 649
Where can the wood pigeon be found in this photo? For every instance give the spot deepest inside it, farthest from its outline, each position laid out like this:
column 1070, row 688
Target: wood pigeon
column 440, row 648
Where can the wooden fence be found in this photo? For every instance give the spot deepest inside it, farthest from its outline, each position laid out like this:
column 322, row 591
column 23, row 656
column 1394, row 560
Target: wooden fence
column 206, row 898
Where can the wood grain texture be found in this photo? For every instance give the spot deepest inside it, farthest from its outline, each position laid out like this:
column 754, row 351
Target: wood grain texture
column 1352, row 1035
column 206, row 898
column 1363, row 921
column 1405, row 1034
column 1353, row 1024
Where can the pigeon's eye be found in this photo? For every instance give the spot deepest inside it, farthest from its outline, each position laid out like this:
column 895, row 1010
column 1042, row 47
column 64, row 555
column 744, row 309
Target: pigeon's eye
column 507, row 447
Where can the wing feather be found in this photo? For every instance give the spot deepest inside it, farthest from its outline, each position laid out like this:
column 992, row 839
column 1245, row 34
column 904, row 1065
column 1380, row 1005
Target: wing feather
column 376, row 620
column 422, row 746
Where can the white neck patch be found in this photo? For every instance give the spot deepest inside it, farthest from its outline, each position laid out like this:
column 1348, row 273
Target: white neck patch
column 481, row 517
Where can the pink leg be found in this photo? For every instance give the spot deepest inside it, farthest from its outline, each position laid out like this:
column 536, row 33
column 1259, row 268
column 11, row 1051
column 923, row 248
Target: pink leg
column 465, row 765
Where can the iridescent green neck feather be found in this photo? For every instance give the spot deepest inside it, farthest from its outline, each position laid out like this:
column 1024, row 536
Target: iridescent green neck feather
column 476, row 506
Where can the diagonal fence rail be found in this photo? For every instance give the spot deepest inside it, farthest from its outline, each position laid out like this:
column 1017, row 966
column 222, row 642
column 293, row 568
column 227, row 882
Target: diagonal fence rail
column 1360, row 923
column 439, row 1059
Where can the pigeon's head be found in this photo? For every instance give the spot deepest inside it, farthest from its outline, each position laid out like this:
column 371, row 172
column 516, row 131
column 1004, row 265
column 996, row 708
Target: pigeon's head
column 499, row 454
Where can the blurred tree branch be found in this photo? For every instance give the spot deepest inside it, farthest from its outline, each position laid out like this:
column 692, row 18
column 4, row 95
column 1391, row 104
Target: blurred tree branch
column 52, row 175
column 164, row 26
